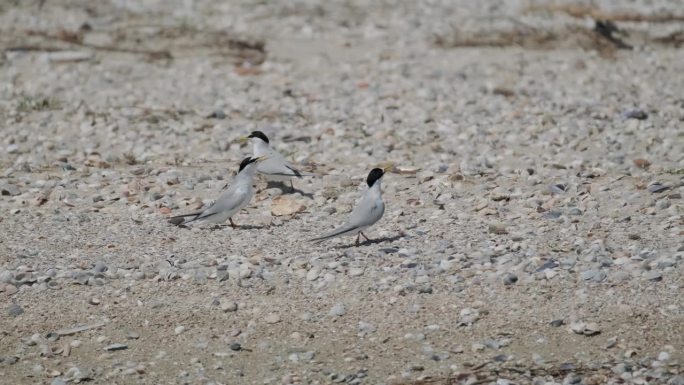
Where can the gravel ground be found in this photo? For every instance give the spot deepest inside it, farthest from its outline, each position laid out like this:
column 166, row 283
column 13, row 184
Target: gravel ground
column 533, row 230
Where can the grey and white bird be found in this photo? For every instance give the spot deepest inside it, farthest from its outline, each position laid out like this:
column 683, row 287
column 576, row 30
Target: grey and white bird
column 275, row 168
column 237, row 197
column 367, row 211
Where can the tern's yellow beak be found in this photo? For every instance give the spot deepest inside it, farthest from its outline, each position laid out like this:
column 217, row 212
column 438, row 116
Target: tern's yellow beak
column 241, row 139
column 386, row 166
column 262, row 158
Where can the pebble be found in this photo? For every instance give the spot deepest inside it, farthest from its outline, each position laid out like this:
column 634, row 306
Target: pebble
column 313, row 273
column 578, row 327
column 468, row 317
column 10, row 190
column 547, row 265
column 78, row 374
column 657, row 187
column 510, row 279
column 635, row 114
column 558, row 188
column 552, row 214
column 286, row 206
column 272, row 318
column 366, row 328
column 557, row 323
column 499, row 194
column 338, row 310
column 575, row 211
column 477, row 347
column 99, row 267
column 179, row 329
column 588, row 274
column 11, row 289
column 15, row 310
column 587, row 329
column 355, row 272
column 115, row 347
column 6, row 276
column 217, row 114
column 591, row 329
column 229, row 306
column 497, row 228
column 236, row 347
column 132, row 335
column 654, row 276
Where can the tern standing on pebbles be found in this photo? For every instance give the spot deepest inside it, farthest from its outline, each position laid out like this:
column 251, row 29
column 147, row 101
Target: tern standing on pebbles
column 275, row 168
column 368, row 211
column 237, row 197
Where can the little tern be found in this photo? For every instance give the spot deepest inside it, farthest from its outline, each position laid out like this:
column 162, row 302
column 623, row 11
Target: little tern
column 368, row 211
column 275, row 168
column 237, row 197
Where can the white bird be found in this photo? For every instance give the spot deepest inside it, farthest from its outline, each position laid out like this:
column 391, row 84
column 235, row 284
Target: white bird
column 237, row 197
column 368, row 211
column 275, row 168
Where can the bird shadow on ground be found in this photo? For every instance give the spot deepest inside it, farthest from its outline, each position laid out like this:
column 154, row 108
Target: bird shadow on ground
column 222, row 227
column 248, row 227
column 371, row 242
column 285, row 189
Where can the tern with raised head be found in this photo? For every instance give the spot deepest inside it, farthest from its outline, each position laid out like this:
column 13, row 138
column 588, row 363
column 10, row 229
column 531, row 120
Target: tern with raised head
column 275, row 168
column 367, row 211
column 237, row 197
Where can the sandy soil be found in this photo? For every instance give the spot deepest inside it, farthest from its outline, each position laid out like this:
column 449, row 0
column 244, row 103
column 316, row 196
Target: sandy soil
column 533, row 230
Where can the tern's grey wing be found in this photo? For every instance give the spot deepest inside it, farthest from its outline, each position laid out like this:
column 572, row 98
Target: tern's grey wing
column 230, row 201
column 367, row 211
column 277, row 165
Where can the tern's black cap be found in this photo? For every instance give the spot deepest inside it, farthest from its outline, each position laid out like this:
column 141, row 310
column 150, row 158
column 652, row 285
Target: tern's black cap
column 246, row 161
column 258, row 134
column 374, row 175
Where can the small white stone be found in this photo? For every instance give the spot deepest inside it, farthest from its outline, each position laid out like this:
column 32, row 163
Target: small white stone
column 338, row 310
column 312, row 274
column 272, row 318
column 229, row 306
column 477, row 347
column 179, row 329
